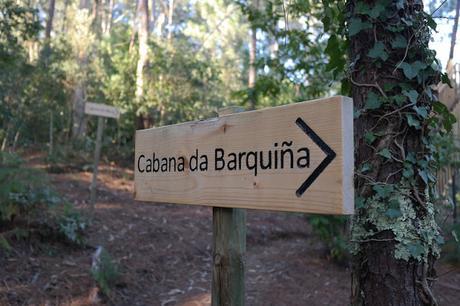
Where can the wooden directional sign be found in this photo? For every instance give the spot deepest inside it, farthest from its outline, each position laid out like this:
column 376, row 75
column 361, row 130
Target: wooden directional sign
column 101, row 110
column 297, row 157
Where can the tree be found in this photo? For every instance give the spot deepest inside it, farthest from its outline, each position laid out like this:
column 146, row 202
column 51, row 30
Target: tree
column 454, row 30
column 143, row 32
column 396, row 238
column 49, row 21
column 252, row 61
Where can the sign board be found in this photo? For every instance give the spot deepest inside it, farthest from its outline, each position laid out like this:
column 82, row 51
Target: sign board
column 297, row 157
column 101, row 110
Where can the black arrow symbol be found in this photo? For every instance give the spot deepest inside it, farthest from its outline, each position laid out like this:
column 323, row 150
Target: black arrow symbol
column 330, row 155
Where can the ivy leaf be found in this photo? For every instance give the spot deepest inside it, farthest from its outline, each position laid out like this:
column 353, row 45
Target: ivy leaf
column 411, row 94
column 445, row 79
column 378, row 51
column 357, row 25
column 408, row 70
column 393, row 213
column 412, row 121
column 440, row 108
column 412, row 70
column 400, row 42
column 449, row 121
column 369, row 137
column 411, row 158
column 385, row 153
column 357, row 113
column 383, row 191
column 415, row 249
column 373, row 101
column 408, row 172
column 399, row 99
column 418, row 65
column 365, row 167
column 360, row 202
column 377, row 10
column 421, row 111
column 423, row 175
column 336, row 58
column 430, row 22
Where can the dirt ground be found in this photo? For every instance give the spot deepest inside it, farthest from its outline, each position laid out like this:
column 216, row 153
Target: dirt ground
column 164, row 254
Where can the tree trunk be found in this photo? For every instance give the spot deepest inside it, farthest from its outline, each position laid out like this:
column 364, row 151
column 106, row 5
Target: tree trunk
column 49, row 22
column 170, row 20
column 109, row 18
column 96, row 18
column 134, row 27
column 154, row 15
column 64, row 18
column 252, row 63
column 78, row 111
column 454, row 31
column 143, row 30
column 387, row 270
column 78, row 98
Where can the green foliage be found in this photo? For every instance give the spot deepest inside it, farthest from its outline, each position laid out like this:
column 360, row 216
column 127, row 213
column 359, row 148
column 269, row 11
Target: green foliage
column 292, row 64
column 451, row 249
column 71, row 225
column 26, row 200
column 332, row 230
column 23, row 192
column 393, row 38
column 105, row 272
column 29, row 89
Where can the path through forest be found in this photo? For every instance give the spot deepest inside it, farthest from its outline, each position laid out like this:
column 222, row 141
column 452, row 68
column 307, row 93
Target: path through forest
column 164, row 254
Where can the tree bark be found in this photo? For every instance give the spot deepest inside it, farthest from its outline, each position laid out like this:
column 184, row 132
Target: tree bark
column 134, row 27
column 143, row 30
column 109, row 18
column 378, row 277
column 454, row 31
column 78, row 98
column 252, row 63
column 170, row 20
column 49, row 21
column 64, row 18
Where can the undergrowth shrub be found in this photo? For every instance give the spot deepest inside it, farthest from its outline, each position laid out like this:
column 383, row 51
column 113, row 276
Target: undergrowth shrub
column 104, row 271
column 332, row 231
column 28, row 204
column 451, row 248
column 77, row 156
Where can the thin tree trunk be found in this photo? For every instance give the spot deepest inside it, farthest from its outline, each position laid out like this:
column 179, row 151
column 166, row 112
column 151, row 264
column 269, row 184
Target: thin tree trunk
column 134, row 27
column 109, row 18
column 64, row 18
column 170, row 20
column 143, row 30
column 154, row 15
column 454, row 31
column 378, row 276
column 49, row 22
column 5, row 139
column 78, row 99
column 96, row 17
column 252, row 63
column 16, row 139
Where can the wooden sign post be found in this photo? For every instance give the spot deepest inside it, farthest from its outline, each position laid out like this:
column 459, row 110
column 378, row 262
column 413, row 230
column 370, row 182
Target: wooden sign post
column 297, row 157
column 100, row 110
column 228, row 250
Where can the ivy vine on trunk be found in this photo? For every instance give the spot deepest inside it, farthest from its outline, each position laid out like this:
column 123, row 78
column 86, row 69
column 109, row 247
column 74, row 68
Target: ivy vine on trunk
column 392, row 72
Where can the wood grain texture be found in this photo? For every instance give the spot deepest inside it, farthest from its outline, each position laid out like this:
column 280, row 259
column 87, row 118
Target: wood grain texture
column 272, row 189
